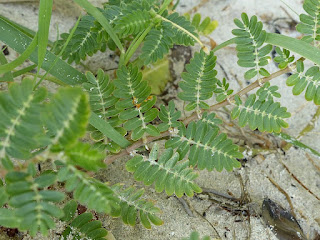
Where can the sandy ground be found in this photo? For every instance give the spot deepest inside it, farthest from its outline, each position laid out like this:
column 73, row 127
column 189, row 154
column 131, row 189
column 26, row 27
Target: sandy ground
column 203, row 214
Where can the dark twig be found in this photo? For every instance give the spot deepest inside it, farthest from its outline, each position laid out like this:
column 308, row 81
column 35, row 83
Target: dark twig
column 313, row 162
column 185, row 206
column 214, row 192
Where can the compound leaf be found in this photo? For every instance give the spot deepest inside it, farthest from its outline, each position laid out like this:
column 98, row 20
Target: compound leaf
column 102, row 102
column 166, row 172
column 206, row 147
column 132, row 22
column 67, row 117
column 250, row 38
column 33, row 205
column 205, row 27
column 83, row 43
column 87, row 191
column 169, row 117
column 20, row 123
column 310, row 22
column 308, row 80
column 199, row 80
column 156, row 45
column 283, row 58
column 85, row 227
column 131, row 204
column 266, row 115
column 181, row 35
column 82, row 155
column 135, row 100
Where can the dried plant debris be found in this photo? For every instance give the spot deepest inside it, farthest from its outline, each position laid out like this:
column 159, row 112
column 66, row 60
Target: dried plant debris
column 281, row 221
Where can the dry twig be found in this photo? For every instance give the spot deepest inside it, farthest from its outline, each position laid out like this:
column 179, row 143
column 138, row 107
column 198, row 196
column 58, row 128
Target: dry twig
column 313, row 162
column 285, row 194
column 295, row 178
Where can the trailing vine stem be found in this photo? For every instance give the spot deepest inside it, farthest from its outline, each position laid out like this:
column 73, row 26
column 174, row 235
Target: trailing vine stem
column 194, row 116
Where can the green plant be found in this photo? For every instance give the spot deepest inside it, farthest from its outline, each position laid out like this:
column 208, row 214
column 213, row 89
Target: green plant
column 119, row 114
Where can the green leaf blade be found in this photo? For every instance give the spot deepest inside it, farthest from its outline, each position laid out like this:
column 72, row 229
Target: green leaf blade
column 45, row 11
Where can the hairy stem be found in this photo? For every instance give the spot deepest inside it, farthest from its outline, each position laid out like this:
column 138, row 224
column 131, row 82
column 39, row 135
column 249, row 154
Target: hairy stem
column 194, row 116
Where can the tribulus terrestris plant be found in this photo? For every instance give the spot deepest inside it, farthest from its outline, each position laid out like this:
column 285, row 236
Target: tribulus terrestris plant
column 121, row 115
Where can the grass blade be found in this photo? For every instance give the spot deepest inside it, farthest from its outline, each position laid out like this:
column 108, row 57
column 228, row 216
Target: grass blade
column 24, row 70
column 224, row 44
column 45, row 10
column 18, row 41
column 297, row 143
column 295, row 45
column 23, row 29
column 61, row 52
column 24, row 56
column 108, row 130
column 8, row 77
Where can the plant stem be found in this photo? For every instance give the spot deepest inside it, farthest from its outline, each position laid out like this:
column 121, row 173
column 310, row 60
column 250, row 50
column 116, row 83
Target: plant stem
column 185, row 31
column 194, row 116
column 48, row 78
column 60, row 53
column 135, row 44
column 164, row 6
column 24, row 70
column 224, row 44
